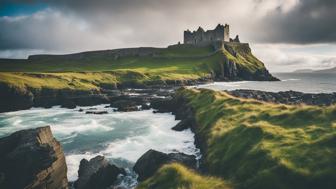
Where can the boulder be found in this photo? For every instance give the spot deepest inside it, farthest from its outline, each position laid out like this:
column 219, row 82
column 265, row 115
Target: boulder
column 128, row 109
column 97, row 174
column 125, row 105
column 32, row 158
column 152, row 160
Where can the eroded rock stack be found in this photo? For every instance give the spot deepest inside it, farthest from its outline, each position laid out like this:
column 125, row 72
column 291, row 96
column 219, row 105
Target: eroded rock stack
column 97, row 173
column 32, row 158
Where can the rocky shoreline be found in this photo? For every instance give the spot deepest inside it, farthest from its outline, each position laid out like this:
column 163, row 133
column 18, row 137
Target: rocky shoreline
column 287, row 97
column 126, row 99
column 16, row 99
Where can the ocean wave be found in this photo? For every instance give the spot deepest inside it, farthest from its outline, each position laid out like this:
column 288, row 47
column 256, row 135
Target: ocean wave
column 77, row 126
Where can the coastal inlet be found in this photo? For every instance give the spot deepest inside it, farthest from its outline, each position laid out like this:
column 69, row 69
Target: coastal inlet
column 122, row 137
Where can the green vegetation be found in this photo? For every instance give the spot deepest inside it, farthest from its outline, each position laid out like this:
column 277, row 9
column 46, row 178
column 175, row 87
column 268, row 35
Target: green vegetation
column 260, row 145
column 180, row 62
column 180, row 58
column 176, row 176
column 86, row 80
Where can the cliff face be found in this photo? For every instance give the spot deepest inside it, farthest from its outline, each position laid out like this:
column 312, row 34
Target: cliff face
column 32, row 159
column 236, row 62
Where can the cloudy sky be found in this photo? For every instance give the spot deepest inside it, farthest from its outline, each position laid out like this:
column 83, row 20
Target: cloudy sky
column 285, row 34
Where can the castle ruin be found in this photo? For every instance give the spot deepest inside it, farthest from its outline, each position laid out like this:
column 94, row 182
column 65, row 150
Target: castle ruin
column 200, row 37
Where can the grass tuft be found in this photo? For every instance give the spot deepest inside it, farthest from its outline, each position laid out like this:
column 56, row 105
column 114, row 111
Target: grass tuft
column 176, row 176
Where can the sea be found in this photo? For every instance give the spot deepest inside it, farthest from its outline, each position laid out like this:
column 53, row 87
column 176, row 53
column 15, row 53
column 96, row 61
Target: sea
column 122, row 137
column 302, row 82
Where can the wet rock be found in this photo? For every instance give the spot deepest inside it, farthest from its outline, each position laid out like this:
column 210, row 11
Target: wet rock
column 152, row 160
column 97, row 174
column 96, row 112
column 32, row 159
column 183, row 124
column 162, row 105
column 125, row 105
column 145, row 106
column 128, row 109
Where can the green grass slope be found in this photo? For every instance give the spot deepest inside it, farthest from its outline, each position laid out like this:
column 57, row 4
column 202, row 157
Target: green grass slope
column 176, row 176
column 91, row 70
column 260, row 145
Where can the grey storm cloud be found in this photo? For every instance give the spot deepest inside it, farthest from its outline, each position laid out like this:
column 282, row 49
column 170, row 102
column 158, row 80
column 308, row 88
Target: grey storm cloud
column 311, row 21
column 86, row 24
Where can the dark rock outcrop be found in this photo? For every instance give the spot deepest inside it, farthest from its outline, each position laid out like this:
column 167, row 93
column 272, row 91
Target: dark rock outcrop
column 145, row 106
column 136, row 100
column 152, row 160
column 125, row 105
column 32, row 159
column 184, row 124
column 18, row 99
column 162, row 105
column 97, row 174
column 96, row 112
column 12, row 98
column 287, row 97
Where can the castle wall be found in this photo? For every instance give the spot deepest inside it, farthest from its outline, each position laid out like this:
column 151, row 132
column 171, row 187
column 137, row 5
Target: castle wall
column 199, row 37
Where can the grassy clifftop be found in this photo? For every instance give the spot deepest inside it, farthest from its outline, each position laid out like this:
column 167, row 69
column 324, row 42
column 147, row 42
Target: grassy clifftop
column 91, row 70
column 262, row 145
column 177, row 176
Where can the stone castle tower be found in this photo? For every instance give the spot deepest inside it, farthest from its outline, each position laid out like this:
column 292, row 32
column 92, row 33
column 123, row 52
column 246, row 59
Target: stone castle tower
column 220, row 33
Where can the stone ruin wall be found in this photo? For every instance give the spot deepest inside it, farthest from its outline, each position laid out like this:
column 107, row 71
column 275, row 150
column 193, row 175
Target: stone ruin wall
column 199, row 37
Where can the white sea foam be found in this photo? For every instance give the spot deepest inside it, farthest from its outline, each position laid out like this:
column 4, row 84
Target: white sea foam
column 83, row 126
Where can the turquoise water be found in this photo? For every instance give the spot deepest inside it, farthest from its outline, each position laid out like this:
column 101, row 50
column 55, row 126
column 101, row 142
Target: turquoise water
column 303, row 82
column 121, row 137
